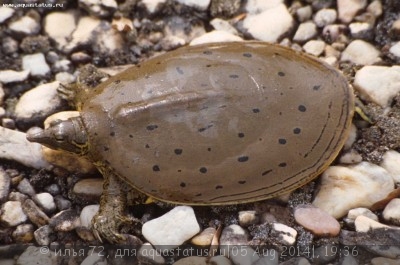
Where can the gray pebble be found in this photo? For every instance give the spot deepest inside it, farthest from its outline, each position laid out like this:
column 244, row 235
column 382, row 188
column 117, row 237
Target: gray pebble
column 35, row 255
column 53, row 189
column 247, row 218
column 65, row 221
column 62, row 203
column 12, row 214
column 25, row 187
column 43, row 235
column 296, row 261
column 34, row 213
column 148, row 255
column 17, row 196
column 23, row 233
column 5, row 182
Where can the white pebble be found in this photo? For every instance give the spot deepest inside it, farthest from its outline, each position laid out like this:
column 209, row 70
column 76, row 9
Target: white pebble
column 9, row 76
column 52, row 27
column 351, row 157
column 325, row 16
column 391, row 213
column 46, row 201
column 283, row 233
column 198, row 4
column 378, row 83
column 83, row 32
column 220, row 24
column 358, row 28
column 360, row 52
column 305, row 31
column 258, row 6
column 346, row 187
column 5, row 13
column 365, row 224
column 375, row 8
column 304, row 13
column 12, row 214
column 172, row 229
column 314, row 47
column 65, row 78
column 215, row 36
column 354, row 213
column 152, row 5
column 269, row 25
column 391, row 162
column 349, row 8
column 87, row 214
column 395, row 49
column 41, row 100
column 26, row 25
column 36, row 64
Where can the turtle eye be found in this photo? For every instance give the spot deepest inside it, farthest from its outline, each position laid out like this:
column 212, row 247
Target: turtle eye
column 59, row 137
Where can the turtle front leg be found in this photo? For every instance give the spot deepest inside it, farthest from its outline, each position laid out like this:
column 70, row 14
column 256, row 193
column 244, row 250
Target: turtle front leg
column 112, row 213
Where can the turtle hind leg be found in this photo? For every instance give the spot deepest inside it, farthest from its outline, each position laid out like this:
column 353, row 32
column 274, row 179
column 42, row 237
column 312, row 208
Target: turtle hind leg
column 112, row 213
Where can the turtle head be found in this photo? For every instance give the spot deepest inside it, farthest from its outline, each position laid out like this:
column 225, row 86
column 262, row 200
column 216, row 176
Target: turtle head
column 68, row 135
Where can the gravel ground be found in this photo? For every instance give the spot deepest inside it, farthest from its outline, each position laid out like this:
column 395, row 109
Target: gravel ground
column 349, row 215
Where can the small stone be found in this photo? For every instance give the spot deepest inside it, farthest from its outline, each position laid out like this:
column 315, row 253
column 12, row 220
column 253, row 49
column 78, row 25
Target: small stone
column 345, row 187
column 172, row 229
column 205, row 237
column 23, row 233
column 375, row 8
column 349, row 8
column 52, row 27
column 87, row 214
column 247, row 218
column 391, row 213
column 25, row 25
column 45, row 201
column 35, row 255
column 6, row 122
column 220, row 24
column 65, row 221
column 9, row 45
column 283, row 233
column 364, row 224
column 34, row 213
column 95, row 259
column 332, row 33
column 395, row 49
column 17, row 196
column 219, row 260
column 361, row 52
column 354, row 213
column 2, row 94
column 360, row 30
column 85, row 233
column 65, row 78
column 82, row 35
column 193, row 260
column 153, row 6
column 351, row 157
column 304, row 13
column 378, row 83
column 89, row 189
column 314, row 47
column 259, row 6
column 384, row 261
column 25, row 187
column 306, row 30
column 351, row 138
column 269, row 25
column 5, row 13
column 62, row 203
column 10, row 76
column 62, row 65
column 298, row 261
column 224, row 9
column 390, row 162
column 197, row 4
column 319, row 222
column 268, row 257
column 5, row 182
column 99, row 8
column 148, row 255
column 325, row 16
column 12, row 214
column 215, row 36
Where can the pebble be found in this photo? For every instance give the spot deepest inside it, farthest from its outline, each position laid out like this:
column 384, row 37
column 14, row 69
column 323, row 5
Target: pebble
column 5, row 182
column 283, row 233
column 215, row 36
column 65, row 221
column 347, row 9
column 390, row 162
column 2, row 94
column 6, row 13
column 247, row 218
column 391, row 213
column 354, row 213
column 384, row 261
column 269, row 25
column 45, row 201
column 223, row 25
column 23, row 233
column 153, row 5
column 378, row 83
column 52, row 27
column 12, row 214
column 43, row 235
column 351, row 157
column 82, row 35
column 205, row 237
column 10, row 76
column 325, row 16
column 360, row 30
column 89, row 189
column 25, row 25
column 299, row 261
column 332, row 33
column 395, row 49
column 25, row 187
column 305, row 31
column 360, row 52
column 65, row 78
column 304, row 13
column 99, row 8
column 219, row 260
column 197, row 4
column 172, row 229
column 34, row 255
column 314, row 47
column 95, row 259
column 345, row 187
column 271, row 259
column 34, row 213
column 364, row 224
column 193, row 260
column 40, row 101
column 148, row 255
column 259, row 6
column 62, row 203
column 318, row 221
column 87, row 214
column 375, row 8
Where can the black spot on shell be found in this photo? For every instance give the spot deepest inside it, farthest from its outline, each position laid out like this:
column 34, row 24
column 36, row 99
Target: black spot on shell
column 282, row 141
column 302, row 108
column 156, row 63
column 179, row 170
column 283, row 164
column 105, row 148
column 256, row 110
column 316, row 87
column 247, row 54
column 203, row 170
column 183, row 184
column 281, row 73
column 209, row 149
column 266, row 172
column 240, row 135
column 234, row 76
column 179, row 70
column 130, row 136
column 241, row 181
column 117, row 82
column 207, row 52
column 243, row 158
column 151, row 127
column 218, row 187
column 205, row 128
column 208, row 65
column 156, row 168
column 147, row 146
column 178, row 151
column 296, row 130
column 198, row 195
column 112, row 133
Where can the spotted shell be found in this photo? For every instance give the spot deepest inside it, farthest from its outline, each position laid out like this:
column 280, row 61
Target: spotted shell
column 220, row 123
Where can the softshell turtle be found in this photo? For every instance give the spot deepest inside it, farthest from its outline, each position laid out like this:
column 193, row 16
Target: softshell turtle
column 221, row 123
